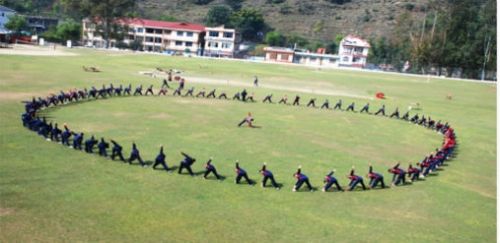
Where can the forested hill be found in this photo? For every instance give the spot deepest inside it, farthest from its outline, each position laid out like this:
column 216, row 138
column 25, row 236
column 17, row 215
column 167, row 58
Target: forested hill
column 315, row 19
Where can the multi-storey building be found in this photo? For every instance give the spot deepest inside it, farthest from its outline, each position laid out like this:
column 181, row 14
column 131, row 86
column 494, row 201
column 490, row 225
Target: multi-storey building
column 159, row 36
column 5, row 14
column 219, row 42
column 353, row 51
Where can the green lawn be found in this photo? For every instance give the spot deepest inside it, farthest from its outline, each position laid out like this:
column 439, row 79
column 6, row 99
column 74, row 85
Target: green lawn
column 50, row 193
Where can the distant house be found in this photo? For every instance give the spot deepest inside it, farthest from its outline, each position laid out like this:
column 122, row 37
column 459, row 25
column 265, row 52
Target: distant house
column 279, row 54
column 5, row 14
column 40, row 24
column 288, row 55
column 319, row 58
column 154, row 35
column 219, row 42
column 353, row 51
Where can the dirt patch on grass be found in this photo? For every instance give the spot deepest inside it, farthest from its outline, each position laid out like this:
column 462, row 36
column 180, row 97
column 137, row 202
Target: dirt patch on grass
column 161, row 116
column 6, row 211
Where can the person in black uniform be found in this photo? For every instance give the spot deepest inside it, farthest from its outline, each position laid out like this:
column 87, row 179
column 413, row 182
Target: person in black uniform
column 350, row 107
column 127, row 90
column 211, row 94
column 149, row 90
column 186, row 163
column 55, row 133
column 268, row 99
column 209, row 168
column 135, row 155
column 177, row 92
column 301, row 179
column 201, row 93
column 296, row 101
column 189, row 92
column 329, row 181
column 268, row 175
column 138, row 90
column 338, row 105
column 312, row 102
column 89, row 144
column 118, row 90
column 77, row 140
column 65, row 135
column 381, row 111
column 395, row 113
column 237, row 96
column 406, row 116
column 244, row 95
column 241, row 173
column 223, row 95
column 163, row 91
column 325, row 105
column 283, row 100
column 160, row 160
column 102, row 146
column 117, row 151
column 365, row 108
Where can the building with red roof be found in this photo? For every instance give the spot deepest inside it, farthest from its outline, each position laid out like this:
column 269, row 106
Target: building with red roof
column 153, row 35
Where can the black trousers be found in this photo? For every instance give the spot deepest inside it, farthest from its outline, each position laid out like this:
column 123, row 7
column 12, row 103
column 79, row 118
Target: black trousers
column 329, row 184
column 273, row 182
column 161, row 162
column 267, row 99
column 239, row 176
column 185, row 166
column 136, row 157
column 115, row 153
column 214, row 171
column 299, row 184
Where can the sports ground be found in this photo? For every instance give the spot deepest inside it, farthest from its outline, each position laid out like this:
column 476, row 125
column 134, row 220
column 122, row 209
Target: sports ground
column 51, row 193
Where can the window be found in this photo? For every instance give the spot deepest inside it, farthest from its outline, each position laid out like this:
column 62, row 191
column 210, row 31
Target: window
column 228, row 34
column 356, row 59
column 189, row 43
column 178, row 43
column 213, row 34
column 216, row 44
column 284, row 57
column 167, row 32
column 209, row 44
column 332, row 60
column 148, row 30
column 189, row 34
column 157, row 40
column 358, row 49
column 149, row 39
column 312, row 59
column 273, row 56
column 180, row 33
column 226, row 45
column 345, row 59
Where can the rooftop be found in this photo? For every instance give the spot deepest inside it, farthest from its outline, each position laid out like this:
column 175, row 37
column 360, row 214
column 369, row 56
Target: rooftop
column 5, row 9
column 164, row 24
column 354, row 41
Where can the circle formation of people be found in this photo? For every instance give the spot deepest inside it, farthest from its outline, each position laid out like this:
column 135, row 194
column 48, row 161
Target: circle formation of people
column 67, row 137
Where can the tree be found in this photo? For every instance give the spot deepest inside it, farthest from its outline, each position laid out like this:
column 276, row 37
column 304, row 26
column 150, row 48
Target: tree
column 201, row 2
column 218, row 15
column 16, row 24
column 275, row 38
column 234, row 4
column 250, row 23
column 69, row 30
column 103, row 13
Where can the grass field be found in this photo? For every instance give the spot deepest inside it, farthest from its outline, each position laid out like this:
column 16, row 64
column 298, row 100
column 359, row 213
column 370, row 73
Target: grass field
column 50, row 193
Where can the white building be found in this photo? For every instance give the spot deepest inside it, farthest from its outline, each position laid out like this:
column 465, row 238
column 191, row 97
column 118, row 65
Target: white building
column 159, row 36
column 5, row 14
column 316, row 59
column 219, row 42
column 353, row 51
